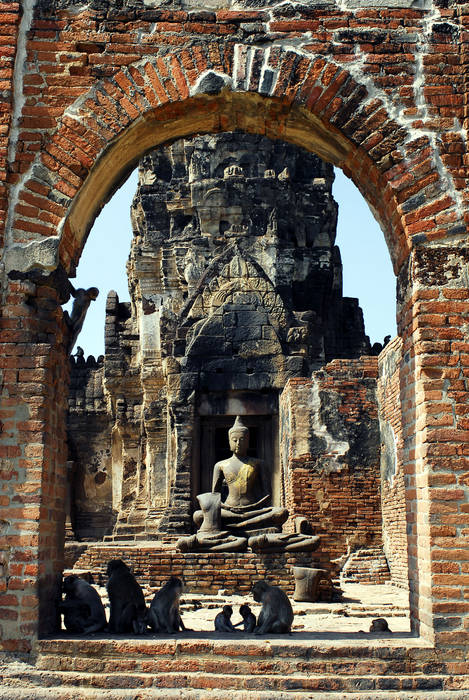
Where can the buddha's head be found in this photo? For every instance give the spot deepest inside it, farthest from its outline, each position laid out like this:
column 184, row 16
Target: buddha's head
column 238, row 436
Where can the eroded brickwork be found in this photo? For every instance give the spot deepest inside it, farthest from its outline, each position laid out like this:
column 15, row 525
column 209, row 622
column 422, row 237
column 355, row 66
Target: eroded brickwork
column 329, row 436
column 392, row 473
column 33, row 454
column 10, row 21
column 354, row 67
column 205, row 573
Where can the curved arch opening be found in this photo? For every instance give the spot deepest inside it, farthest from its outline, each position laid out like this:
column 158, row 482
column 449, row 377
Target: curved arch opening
column 279, row 118
column 229, row 111
column 210, row 427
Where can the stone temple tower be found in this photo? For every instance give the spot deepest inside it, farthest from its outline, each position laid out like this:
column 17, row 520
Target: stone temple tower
column 236, row 287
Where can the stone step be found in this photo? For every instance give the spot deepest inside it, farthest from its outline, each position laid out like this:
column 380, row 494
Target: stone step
column 204, row 668
column 67, row 693
column 121, row 537
column 153, row 655
column 129, row 527
column 398, row 647
column 156, row 512
column 281, row 665
column 368, row 552
column 113, row 679
column 366, row 566
column 210, row 664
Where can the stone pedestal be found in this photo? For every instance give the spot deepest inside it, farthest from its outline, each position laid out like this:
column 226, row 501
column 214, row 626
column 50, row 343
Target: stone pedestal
column 204, row 572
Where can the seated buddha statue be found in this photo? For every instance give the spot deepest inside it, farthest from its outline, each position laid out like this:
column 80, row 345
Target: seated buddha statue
column 243, row 519
column 242, row 510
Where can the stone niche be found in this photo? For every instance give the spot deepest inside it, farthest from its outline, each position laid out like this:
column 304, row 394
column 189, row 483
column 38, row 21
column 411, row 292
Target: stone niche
column 236, row 291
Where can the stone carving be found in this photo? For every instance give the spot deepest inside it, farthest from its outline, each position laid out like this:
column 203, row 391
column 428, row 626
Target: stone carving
column 297, row 334
column 192, row 269
column 230, row 231
column 233, row 171
column 221, row 541
column 75, row 321
column 307, row 583
column 236, row 230
column 241, row 509
column 284, row 542
column 210, row 536
column 242, row 518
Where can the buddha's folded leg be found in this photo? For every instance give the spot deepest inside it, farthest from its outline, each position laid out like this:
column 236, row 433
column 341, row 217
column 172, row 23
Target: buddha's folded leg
column 265, row 516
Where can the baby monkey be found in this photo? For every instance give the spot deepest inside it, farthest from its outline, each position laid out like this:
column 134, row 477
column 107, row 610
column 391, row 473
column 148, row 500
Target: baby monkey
column 249, row 619
column 223, row 620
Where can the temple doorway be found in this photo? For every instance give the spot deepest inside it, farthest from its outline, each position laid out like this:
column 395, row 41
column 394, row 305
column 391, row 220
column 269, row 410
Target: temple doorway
column 214, row 446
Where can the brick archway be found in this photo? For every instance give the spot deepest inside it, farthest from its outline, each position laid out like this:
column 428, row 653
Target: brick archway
column 313, row 102
column 308, row 100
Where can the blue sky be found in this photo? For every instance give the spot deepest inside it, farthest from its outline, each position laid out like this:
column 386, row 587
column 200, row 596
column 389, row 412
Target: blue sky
column 367, row 270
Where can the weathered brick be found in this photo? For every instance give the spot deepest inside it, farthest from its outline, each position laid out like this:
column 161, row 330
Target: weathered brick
column 71, row 64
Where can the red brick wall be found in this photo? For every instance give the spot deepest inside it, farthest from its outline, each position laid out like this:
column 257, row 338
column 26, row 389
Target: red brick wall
column 9, row 21
column 433, row 321
column 32, row 463
column 330, row 454
column 352, row 70
column 381, row 92
column 393, row 483
column 235, row 572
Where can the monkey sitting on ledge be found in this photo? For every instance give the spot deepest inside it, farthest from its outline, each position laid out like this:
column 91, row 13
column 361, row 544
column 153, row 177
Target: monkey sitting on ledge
column 276, row 615
column 126, row 600
column 164, row 613
column 82, row 608
column 249, row 619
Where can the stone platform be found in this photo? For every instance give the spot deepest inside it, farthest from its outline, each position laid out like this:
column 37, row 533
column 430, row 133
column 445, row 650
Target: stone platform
column 234, row 572
column 352, row 615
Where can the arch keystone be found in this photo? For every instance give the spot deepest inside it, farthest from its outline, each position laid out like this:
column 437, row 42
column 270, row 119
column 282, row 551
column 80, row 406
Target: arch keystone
column 211, row 83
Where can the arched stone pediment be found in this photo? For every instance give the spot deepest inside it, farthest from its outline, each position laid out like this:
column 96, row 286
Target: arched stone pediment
column 240, row 321
column 235, row 273
column 238, row 346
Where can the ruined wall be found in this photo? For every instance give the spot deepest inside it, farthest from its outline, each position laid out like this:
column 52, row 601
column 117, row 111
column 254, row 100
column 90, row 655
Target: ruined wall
column 392, row 470
column 9, row 36
column 378, row 88
column 196, row 201
column 102, row 64
column 34, row 441
column 208, row 572
column 236, row 285
column 329, row 436
column 89, row 425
